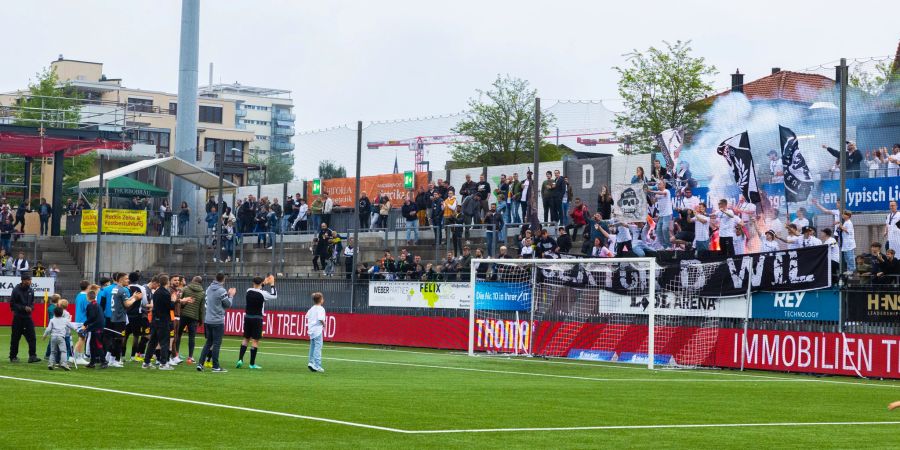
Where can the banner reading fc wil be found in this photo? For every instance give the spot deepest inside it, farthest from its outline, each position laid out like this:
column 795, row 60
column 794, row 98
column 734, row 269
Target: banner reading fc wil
column 120, row 221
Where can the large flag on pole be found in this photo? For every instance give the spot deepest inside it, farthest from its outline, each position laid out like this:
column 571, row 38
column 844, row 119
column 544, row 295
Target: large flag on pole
column 797, row 181
column 736, row 151
column 669, row 142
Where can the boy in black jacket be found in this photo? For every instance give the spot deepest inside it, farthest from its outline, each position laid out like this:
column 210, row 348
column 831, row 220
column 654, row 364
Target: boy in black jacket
column 93, row 331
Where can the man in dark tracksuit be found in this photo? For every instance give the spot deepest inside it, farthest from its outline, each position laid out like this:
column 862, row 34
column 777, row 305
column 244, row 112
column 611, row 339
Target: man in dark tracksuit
column 159, row 325
column 21, row 304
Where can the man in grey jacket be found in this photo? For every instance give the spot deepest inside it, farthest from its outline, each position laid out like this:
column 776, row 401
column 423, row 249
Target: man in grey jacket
column 217, row 301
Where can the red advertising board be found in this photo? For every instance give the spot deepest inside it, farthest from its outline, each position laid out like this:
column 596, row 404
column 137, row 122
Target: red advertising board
column 784, row 351
column 37, row 314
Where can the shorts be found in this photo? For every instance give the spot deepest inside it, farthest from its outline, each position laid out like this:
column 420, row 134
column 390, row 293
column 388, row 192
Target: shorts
column 138, row 326
column 117, row 326
column 253, row 328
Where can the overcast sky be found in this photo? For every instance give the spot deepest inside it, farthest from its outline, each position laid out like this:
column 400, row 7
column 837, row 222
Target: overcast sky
column 379, row 60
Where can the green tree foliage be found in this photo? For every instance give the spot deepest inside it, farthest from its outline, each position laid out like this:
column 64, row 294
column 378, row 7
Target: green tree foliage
column 500, row 123
column 873, row 82
column 660, row 89
column 330, row 169
column 279, row 169
column 48, row 103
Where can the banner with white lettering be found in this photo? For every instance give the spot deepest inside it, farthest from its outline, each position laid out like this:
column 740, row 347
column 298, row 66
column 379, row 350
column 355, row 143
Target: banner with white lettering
column 414, row 294
column 39, row 284
column 668, row 304
column 800, row 269
column 586, row 177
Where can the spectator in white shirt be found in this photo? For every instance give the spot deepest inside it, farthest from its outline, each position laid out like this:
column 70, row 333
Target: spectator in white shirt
column 740, row 240
column 891, row 227
column 775, row 167
column 809, row 238
column 848, row 242
column 793, row 238
column 20, row 265
column 701, row 229
column 664, row 210
column 801, row 221
column 833, row 250
column 726, row 220
column 327, row 207
column 769, row 244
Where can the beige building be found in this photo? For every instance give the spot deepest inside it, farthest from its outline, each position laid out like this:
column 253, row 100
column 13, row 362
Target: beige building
column 266, row 112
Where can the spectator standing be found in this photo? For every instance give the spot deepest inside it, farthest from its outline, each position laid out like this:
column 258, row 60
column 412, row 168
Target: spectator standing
column 349, row 250
column 664, row 209
column 605, row 203
column 363, row 210
column 21, row 210
column 483, row 189
column 44, row 212
column 639, row 176
column 20, row 266
column 892, row 227
column 515, row 193
column 437, row 215
column 523, row 197
column 6, row 232
column 192, row 314
column 547, row 195
column 502, row 194
column 470, row 209
column 496, row 229
column 409, row 211
column 277, row 227
column 384, row 211
column 468, row 187
column 184, row 217
column 423, row 204
column 300, row 222
column 854, row 158
column 212, row 217
column 327, row 208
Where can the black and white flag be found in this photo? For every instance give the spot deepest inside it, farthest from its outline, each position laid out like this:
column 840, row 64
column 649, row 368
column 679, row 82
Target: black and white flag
column 670, row 142
column 736, row 151
column 797, row 181
column 631, row 202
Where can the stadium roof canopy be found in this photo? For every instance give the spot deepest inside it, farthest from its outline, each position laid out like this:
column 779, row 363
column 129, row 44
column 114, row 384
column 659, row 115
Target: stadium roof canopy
column 172, row 164
column 36, row 142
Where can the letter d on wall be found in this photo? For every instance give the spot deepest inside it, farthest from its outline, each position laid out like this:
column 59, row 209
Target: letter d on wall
column 587, row 176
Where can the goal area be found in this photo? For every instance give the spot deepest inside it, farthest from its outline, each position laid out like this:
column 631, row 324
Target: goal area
column 608, row 310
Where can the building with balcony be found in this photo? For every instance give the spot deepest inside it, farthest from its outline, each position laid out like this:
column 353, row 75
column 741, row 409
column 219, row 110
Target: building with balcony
column 265, row 112
column 148, row 117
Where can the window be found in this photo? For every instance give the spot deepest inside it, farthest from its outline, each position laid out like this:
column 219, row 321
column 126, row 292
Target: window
column 140, row 104
column 158, row 138
column 173, row 108
column 260, row 137
column 234, row 150
column 211, row 114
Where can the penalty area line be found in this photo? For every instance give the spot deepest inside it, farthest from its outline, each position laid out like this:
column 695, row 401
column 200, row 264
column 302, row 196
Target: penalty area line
column 210, row 404
column 656, row 427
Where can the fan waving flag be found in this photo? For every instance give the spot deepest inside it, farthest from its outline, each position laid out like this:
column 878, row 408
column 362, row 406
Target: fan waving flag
column 797, row 181
column 736, row 151
column 669, row 142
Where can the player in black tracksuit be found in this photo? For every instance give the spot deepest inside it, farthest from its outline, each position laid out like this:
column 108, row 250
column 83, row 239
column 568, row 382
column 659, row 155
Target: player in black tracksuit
column 160, row 324
column 22, row 303
column 93, row 330
column 137, row 317
column 254, row 313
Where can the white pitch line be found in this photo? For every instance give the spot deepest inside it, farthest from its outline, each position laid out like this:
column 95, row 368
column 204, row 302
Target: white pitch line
column 653, row 427
column 452, row 431
column 604, row 365
column 545, row 375
column 216, row 405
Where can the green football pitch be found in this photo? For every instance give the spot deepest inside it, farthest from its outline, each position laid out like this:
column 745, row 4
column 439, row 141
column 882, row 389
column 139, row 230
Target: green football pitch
column 372, row 397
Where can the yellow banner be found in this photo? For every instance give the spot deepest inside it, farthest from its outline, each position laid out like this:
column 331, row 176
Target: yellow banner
column 121, row 221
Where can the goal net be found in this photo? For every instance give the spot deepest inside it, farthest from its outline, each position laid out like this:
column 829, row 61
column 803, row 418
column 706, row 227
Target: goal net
column 608, row 310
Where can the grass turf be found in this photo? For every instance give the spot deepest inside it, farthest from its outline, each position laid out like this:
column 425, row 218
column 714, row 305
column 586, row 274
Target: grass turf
column 418, row 390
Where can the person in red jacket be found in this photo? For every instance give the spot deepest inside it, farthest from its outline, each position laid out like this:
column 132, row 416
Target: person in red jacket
column 579, row 217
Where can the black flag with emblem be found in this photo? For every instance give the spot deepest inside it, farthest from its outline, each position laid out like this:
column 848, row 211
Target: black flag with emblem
column 797, row 181
column 736, row 151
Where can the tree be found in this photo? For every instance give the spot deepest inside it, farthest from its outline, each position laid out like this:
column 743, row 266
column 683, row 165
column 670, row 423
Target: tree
column 48, row 103
column 51, row 104
column 872, row 82
column 279, row 169
column 330, row 169
column 660, row 89
column 500, row 123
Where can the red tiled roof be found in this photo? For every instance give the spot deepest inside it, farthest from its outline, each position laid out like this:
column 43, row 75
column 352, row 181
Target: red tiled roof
column 786, row 85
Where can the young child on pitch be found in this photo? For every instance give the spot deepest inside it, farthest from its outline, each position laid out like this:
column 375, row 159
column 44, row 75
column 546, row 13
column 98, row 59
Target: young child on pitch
column 315, row 326
column 58, row 328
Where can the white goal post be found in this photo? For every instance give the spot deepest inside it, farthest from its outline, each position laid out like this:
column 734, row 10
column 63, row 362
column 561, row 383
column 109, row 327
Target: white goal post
column 606, row 310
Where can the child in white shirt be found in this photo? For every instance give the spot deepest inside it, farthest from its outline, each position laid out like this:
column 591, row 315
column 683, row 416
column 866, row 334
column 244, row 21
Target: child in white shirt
column 315, row 327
